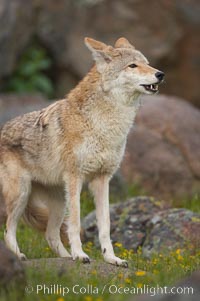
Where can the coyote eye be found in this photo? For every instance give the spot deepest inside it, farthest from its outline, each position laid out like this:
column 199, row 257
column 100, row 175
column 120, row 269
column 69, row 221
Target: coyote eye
column 133, row 66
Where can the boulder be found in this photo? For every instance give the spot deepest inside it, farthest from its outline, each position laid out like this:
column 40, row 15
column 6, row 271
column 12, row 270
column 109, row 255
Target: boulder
column 147, row 223
column 162, row 153
column 12, row 105
column 171, row 229
column 11, row 271
column 168, row 34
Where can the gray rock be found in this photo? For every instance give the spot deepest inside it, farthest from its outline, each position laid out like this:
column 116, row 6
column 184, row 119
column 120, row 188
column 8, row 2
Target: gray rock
column 147, row 223
column 12, row 105
column 11, row 271
column 169, row 36
column 67, row 265
column 174, row 229
column 162, row 154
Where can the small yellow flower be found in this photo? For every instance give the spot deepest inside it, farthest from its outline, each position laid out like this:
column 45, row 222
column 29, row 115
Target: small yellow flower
column 155, row 261
column 128, row 280
column 124, row 253
column 88, row 298
column 179, row 257
column 120, row 275
column 155, row 272
column 195, row 219
column 93, row 272
column 118, row 244
column 139, row 285
column 60, row 299
column 90, row 243
column 47, row 249
column 178, row 251
column 140, row 273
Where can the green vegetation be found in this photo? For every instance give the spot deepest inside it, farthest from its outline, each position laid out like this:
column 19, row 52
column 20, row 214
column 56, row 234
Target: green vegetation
column 31, row 74
column 192, row 204
column 159, row 271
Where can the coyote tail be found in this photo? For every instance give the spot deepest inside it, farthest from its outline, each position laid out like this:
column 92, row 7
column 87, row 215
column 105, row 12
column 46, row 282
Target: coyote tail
column 37, row 218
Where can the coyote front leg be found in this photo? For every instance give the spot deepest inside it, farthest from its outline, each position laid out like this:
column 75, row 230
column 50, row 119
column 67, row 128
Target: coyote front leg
column 100, row 189
column 73, row 190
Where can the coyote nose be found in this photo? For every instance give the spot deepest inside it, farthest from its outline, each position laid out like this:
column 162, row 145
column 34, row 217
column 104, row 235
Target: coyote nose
column 160, row 75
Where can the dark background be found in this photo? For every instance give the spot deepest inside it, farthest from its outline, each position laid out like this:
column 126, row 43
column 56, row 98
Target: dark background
column 42, row 41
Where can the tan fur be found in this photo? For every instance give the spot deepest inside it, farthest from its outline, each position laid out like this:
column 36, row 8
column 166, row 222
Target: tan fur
column 47, row 154
column 36, row 212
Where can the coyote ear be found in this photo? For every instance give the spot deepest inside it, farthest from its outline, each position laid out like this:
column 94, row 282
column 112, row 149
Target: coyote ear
column 100, row 52
column 123, row 43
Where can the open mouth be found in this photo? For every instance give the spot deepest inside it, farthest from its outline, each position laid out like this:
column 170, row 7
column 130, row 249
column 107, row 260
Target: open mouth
column 151, row 88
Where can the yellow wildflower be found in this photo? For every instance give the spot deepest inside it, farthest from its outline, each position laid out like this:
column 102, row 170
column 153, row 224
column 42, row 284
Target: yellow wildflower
column 128, row 280
column 88, row 298
column 155, row 261
column 60, row 299
column 139, row 285
column 140, row 273
column 120, row 275
column 195, row 219
column 179, row 257
column 118, row 244
column 124, row 253
column 90, row 243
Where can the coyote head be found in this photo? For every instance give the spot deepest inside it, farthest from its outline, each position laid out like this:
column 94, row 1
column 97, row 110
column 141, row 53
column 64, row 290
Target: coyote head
column 124, row 68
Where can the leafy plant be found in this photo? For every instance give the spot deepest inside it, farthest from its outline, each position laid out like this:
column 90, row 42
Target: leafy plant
column 31, row 73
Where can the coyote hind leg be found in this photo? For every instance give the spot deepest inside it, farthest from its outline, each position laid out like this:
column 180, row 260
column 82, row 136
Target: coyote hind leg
column 16, row 192
column 57, row 209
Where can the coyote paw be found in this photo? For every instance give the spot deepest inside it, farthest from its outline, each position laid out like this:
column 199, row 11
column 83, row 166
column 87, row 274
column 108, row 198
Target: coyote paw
column 116, row 261
column 22, row 256
column 82, row 257
column 86, row 260
column 64, row 254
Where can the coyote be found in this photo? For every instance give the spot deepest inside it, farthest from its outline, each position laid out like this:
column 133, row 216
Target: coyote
column 47, row 155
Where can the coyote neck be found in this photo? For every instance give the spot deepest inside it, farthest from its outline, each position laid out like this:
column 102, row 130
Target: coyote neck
column 92, row 92
column 86, row 91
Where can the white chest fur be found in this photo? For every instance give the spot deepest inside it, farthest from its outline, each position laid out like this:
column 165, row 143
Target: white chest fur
column 104, row 141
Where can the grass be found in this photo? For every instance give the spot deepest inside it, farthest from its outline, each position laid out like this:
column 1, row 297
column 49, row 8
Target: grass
column 192, row 204
column 159, row 271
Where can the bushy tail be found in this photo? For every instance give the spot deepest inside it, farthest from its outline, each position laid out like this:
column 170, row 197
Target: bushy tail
column 37, row 211
column 37, row 218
